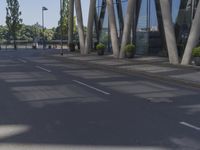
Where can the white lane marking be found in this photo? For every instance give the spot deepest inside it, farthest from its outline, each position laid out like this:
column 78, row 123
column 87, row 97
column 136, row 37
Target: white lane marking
column 190, row 126
column 43, row 68
column 91, row 87
column 24, row 61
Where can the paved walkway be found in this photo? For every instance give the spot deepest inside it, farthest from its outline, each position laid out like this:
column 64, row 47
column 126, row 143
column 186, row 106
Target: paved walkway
column 157, row 67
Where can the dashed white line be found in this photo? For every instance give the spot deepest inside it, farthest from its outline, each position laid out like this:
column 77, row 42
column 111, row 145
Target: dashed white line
column 43, row 68
column 91, row 87
column 21, row 60
column 190, row 126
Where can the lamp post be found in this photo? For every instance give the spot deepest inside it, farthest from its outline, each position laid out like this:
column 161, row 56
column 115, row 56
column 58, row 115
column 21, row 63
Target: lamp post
column 43, row 39
column 61, row 25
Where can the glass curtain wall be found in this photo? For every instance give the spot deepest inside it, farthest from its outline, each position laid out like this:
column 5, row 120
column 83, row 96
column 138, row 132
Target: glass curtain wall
column 102, row 24
column 148, row 37
column 186, row 13
column 142, row 36
column 147, row 31
column 102, row 28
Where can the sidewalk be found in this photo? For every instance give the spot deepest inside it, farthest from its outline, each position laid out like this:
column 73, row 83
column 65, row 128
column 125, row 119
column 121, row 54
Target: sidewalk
column 153, row 67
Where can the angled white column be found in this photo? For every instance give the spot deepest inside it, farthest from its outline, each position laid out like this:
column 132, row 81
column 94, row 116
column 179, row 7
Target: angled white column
column 193, row 38
column 80, row 25
column 91, row 15
column 113, row 28
column 169, row 31
column 127, row 25
column 71, row 21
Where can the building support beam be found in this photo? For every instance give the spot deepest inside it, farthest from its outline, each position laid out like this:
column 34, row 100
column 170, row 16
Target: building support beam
column 169, row 31
column 127, row 25
column 71, row 21
column 193, row 38
column 91, row 17
column 80, row 25
column 113, row 28
column 120, row 16
column 101, row 17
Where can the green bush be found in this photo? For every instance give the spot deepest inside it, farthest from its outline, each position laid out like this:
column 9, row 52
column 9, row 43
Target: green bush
column 129, row 48
column 100, row 46
column 196, row 52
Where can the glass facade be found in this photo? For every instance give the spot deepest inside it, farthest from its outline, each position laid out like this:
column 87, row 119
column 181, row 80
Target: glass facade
column 147, row 32
column 183, row 23
column 102, row 30
column 103, row 34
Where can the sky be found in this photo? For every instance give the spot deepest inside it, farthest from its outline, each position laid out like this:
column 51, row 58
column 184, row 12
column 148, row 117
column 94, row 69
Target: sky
column 32, row 13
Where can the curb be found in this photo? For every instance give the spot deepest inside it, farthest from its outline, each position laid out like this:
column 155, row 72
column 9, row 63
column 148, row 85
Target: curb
column 166, row 79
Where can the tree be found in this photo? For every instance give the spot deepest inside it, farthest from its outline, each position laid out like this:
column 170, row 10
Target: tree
column 25, row 33
column 13, row 19
column 48, row 34
column 37, row 30
column 63, row 22
column 3, row 33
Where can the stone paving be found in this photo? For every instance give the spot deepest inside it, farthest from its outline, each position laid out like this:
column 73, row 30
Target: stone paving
column 154, row 66
column 195, row 76
column 149, row 68
column 148, row 90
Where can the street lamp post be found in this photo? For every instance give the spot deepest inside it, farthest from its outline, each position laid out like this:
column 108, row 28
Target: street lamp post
column 61, row 25
column 43, row 39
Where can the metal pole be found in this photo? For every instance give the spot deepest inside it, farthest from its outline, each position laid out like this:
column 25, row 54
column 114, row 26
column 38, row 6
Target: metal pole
column 43, row 9
column 43, row 28
column 61, row 25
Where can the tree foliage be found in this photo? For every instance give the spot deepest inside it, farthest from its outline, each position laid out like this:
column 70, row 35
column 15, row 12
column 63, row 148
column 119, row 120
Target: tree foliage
column 15, row 30
column 13, row 19
column 31, row 33
column 3, row 33
column 64, row 16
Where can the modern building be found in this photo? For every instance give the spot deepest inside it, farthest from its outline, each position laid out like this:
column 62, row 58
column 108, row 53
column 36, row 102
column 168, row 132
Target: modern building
column 148, row 28
column 156, row 27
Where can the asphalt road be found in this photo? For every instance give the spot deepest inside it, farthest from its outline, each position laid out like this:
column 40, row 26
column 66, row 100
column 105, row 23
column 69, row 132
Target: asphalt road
column 49, row 104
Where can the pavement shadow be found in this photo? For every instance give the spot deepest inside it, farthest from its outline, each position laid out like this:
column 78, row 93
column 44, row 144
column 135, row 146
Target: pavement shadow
column 36, row 115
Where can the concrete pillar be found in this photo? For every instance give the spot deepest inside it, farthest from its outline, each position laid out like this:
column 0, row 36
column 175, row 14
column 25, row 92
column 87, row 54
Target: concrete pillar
column 91, row 16
column 127, row 25
column 169, row 31
column 113, row 28
column 80, row 25
column 193, row 37
column 71, row 21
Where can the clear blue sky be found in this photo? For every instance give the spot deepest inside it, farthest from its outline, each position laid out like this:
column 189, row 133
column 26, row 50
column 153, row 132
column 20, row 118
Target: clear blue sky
column 31, row 11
